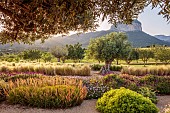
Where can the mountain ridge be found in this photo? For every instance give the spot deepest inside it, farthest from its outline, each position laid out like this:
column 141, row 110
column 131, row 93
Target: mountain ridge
column 136, row 37
column 163, row 37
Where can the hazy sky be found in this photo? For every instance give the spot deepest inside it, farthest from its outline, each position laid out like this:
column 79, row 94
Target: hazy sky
column 152, row 23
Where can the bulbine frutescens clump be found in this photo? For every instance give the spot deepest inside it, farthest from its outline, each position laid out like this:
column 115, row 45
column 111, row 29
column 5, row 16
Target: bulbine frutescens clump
column 43, row 91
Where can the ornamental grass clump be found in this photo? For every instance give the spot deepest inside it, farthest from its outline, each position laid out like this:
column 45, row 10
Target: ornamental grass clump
column 5, row 69
column 2, row 93
column 40, row 81
column 154, row 70
column 59, row 96
column 83, row 71
column 64, row 70
column 38, row 69
column 68, row 70
column 49, row 70
column 125, row 101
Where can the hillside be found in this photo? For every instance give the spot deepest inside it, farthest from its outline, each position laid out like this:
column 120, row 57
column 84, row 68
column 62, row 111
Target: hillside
column 136, row 36
column 163, row 37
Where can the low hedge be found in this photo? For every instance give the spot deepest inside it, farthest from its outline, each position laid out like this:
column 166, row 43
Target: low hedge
column 60, row 96
column 97, row 67
column 142, row 71
column 125, row 101
column 64, row 70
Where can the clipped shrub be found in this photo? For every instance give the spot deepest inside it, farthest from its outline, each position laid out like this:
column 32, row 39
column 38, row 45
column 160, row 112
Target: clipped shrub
column 125, row 101
column 97, row 67
column 148, row 93
column 115, row 68
column 60, row 96
column 95, row 88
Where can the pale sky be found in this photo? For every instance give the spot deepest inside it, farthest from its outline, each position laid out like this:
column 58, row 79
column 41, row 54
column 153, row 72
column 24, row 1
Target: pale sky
column 152, row 23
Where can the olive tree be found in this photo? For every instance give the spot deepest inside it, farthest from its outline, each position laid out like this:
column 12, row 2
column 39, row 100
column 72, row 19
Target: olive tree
column 130, row 54
column 107, row 48
column 145, row 54
column 162, row 53
column 75, row 52
column 31, row 54
column 59, row 52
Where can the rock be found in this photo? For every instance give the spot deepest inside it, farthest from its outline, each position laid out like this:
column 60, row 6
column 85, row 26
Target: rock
column 135, row 26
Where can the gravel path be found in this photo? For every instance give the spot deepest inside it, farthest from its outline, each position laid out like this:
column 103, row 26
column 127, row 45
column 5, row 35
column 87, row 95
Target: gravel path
column 163, row 101
column 88, row 106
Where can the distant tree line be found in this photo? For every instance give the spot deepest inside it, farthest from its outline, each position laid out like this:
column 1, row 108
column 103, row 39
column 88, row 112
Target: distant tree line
column 108, row 48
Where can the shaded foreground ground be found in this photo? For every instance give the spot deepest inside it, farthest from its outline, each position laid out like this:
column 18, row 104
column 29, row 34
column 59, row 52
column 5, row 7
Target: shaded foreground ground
column 88, row 106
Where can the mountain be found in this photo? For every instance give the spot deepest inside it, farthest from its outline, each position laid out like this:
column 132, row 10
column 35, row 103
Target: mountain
column 135, row 26
column 136, row 36
column 163, row 37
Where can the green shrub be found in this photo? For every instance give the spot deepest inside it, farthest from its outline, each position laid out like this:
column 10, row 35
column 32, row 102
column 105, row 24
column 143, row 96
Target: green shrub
column 125, row 101
column 60, row 96
column 113, row 81
column 160, row 84
column 117, row 81
column 97, row 67
column 148, row 93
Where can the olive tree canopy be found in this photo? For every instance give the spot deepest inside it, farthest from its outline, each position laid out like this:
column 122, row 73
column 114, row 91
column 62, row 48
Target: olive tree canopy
column 29, row 20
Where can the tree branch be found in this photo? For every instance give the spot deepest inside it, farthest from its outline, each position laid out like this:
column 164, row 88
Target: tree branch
column 14, row 18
